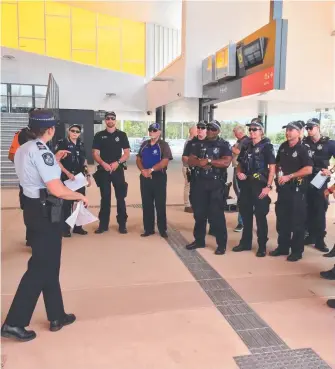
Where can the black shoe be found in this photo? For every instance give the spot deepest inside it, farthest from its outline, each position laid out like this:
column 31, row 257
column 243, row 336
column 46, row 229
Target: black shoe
column 309, row 240
column 240, row 248
column 278, row 252
column 56, row 325
column 323, row 247
column 147, row 234
column 294, row 257
column 100, row 230
column 66, row 234
column 164, row 234
column 80, row 231
column 331, row 303
column 123, row 230
column 17, row 333
column 219, row 251
column 329, row 274
column 194, row 245
column 261, row 253
column 238, row 228
column 331, row 253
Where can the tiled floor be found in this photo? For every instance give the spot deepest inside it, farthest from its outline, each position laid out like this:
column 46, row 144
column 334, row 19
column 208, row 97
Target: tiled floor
column 138, row 305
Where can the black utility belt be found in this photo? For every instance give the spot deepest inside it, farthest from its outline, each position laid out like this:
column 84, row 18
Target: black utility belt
column 51, row 206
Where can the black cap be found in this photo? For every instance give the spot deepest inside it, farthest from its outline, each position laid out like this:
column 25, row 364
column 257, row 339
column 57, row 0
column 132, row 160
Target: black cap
column 110, row 114
column 313, row 122
column 42, row 118
column 214, row 123
column 155, row 126
column 75, row 125
column 255, row 122
column 298, row 125
column 202, row 123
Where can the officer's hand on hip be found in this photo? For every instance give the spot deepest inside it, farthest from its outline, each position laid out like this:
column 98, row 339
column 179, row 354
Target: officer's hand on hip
column 241, row 176
column 114, row 165
column 264, row 193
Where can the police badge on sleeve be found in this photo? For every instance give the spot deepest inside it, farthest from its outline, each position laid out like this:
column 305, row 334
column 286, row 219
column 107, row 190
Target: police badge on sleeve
column 48, row 159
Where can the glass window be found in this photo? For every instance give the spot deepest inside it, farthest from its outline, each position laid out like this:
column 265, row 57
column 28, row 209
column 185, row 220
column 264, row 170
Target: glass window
column 4, row 89
column 4, row 105
column 40, row 91
column 39, row 102
column 22, row 90
column 21, row 104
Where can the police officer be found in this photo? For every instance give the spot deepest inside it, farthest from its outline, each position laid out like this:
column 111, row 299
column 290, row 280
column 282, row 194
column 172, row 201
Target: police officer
column 293, row 164
column 255, row 173
column 208, row 193
column 152, row 160
column 321, row 149
column 39, row 175
column 111, row 150
column 71, row 165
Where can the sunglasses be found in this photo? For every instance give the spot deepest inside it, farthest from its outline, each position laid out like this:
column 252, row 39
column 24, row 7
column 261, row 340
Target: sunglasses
column 74, row 131
column 212, row 129
column 201, row 127
column 309, row 128
column 110, row 118
column 254, row 129
column 152, row 130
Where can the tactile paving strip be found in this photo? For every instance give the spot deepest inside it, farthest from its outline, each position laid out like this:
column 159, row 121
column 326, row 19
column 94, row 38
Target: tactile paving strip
column 268, row 350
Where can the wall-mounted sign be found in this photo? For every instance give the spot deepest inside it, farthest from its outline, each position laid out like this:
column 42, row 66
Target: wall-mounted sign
column 253, row 53
column 208, row 70
column 258, row 82
column 225, row 62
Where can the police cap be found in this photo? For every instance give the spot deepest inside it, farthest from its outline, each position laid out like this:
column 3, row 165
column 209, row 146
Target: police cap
column 313, row 122
column 43, row 118
column 256, row 122
column 110, row 114
column 202, row 123
column 298, row 125
column 155, row 126
column 75, row 125
column 214, row 124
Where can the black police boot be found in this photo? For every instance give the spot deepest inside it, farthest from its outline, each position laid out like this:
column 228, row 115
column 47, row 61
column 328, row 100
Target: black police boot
column 321, row 247
column 220, row 251
column 331, row 253
column 240, row 248
column 56, row 325
column 80, row 230
column 66, row 234
column 147, row 234
column 164, row 234
column 331, row 303
column 17, row 333
column 329, row 274
column 261, row 252
column 194, row 245
column 278, row 252
column 309, row 240
column 100, row 230
column 123, row 229
column 294, row 257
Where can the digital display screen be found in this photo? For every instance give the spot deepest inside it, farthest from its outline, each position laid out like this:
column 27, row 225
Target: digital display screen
column 221, row 58
column 254, row 53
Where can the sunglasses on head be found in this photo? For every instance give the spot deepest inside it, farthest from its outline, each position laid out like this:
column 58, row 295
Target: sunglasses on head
column 152, row 130
column 213, row 129
column 201, row 127
column 74, row 131
column 254, row 129
column 110, row 118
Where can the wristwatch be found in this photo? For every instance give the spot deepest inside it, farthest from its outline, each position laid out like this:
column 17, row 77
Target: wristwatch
column 152, row 170
column 269, row 186
column 119, row 162
column 209, row 161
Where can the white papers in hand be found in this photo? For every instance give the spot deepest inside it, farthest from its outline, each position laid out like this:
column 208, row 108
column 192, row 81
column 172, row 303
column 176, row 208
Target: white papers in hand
column 81, row 216
column 79, row 182
column 319, row 180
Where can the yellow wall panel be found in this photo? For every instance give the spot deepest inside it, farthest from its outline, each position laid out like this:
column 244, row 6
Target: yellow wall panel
column 109, row 52
column 108, row 21
column 83, row 29
column 9, row 30
column 32, row 45
column 133, row 41
column 58, row 37
column 84, row 57
column 134, row 68
column 54, row 8
column 31, row 19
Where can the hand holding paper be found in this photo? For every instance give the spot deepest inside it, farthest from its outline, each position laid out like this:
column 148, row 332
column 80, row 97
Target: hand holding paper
column 319, row 180
column 81, row 216
column 78, row 182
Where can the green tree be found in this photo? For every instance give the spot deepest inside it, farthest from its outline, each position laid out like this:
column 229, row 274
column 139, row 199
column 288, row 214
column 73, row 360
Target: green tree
column 277, row 138
column 135, row 129
column 173, row 130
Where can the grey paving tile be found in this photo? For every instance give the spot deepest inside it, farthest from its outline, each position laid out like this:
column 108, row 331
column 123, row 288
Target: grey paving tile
column 237, row 308
column 221, row 296
column 214, row 285
column 246, row 322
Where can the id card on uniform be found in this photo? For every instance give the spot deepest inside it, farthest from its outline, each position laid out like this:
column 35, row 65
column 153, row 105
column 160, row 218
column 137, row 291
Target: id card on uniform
column 319, row 180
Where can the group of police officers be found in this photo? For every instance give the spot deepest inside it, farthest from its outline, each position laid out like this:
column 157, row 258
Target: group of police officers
column 300, row 207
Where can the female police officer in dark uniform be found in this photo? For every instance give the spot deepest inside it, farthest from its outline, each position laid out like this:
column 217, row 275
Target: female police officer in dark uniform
column 39, row 175
column 255, row 173
column 152, row 160
column 73, row 164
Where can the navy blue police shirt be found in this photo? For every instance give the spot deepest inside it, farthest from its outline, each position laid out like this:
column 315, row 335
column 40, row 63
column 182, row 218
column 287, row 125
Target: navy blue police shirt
column 153, row 154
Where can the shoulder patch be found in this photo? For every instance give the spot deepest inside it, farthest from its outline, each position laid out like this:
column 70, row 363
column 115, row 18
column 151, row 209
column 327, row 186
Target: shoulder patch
column 48, row 159
column 40, row 146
